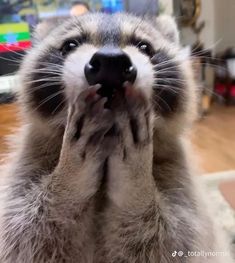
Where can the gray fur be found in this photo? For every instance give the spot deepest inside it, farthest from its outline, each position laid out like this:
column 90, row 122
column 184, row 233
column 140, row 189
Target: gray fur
column 72, row 192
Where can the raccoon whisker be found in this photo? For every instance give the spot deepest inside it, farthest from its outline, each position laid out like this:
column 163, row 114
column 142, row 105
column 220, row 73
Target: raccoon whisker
column 50, row 67
column 43, row 80
column 166, row 66
column 14, row 52
column 56, row 56
column 56, row 67
column 212, row 93
column 190, row 58
column 171, row 80
column 50, row 64
column 48, row 99
column 159, row 94
column 169, row 83
column 47, row 85
column 16, row 61
column 57, row 107
column 211, row 47
column 193, row 56
column 59, row 67
column 167, row 88
column 54, row 71
column 168, row 61
column 168, row 71
column 167, row 76
column 162, row 77
column 219, row 67
column 44, row 86
column 48, row 70
column 48, row 73
column 195, row 48
column 215, row 67
column 159, row 98
column 211, row 62
column 170, row 87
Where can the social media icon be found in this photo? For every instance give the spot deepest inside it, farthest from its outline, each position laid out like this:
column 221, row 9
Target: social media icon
column 180, row 253
column 174, row 254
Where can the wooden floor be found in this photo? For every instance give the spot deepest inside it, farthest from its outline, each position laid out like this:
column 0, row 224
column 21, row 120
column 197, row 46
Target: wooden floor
column 8, row 121
column 213, row 137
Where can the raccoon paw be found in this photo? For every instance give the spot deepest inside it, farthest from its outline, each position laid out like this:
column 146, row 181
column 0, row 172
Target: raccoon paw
column 139, row 115
column 134, row 120
column 88, row 122
column 130, row 164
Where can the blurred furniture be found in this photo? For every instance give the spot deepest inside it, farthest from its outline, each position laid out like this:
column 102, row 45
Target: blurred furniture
column 227, row 188
column 220, row 194
column 204, row 76
column 225, row 76
column 187, row 11
column 142, row 8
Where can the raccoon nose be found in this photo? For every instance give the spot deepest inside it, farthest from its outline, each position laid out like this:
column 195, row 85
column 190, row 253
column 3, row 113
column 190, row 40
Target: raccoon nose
column 110, row 67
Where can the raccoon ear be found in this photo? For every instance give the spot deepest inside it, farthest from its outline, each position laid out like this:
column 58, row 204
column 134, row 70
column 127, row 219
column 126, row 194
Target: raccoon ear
column 44, row 28
column 168, row 27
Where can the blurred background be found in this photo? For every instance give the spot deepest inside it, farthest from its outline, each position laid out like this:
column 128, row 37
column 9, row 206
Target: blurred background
column 207, row 31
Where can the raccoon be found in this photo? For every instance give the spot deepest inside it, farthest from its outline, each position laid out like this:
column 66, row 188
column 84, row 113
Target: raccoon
column 100, row 170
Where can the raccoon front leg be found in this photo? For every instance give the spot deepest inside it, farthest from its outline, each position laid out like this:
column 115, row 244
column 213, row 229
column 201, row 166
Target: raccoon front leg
column 139, row 224
column 50, row 220
column 130, row 164
column 130, row 220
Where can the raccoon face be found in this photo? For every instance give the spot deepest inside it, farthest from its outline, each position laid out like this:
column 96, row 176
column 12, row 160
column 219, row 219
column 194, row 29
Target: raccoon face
column 107, row 50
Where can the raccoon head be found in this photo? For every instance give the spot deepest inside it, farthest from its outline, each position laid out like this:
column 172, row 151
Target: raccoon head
column 69, row 57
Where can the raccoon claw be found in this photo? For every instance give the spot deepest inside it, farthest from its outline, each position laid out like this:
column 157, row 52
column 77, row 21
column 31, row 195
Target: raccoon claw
column 88, row 115
column 138, row 108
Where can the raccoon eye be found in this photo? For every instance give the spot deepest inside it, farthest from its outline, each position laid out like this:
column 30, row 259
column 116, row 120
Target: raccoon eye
column 68, row 46
column 146, row 48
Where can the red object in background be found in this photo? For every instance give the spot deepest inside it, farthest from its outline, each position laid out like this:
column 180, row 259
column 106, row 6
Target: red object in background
column 220, row 88
column 19, row 46
column 232, row 91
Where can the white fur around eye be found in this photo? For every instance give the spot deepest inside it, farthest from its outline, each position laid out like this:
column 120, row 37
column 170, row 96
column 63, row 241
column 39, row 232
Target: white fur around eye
column 73, row 73
column 145, row 72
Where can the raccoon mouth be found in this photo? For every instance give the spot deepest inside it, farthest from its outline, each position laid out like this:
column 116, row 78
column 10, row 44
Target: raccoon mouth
column 110, row 92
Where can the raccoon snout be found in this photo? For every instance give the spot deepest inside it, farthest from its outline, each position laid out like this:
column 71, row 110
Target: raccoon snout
column 110, row 67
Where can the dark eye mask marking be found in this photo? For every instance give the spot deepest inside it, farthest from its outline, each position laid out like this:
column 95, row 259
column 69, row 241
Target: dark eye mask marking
column 168, row 85
column 47, row 96
column 143, row 45
column 72, row 44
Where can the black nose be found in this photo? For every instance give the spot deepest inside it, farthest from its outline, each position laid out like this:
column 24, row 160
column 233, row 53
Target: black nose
column 110, row 67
